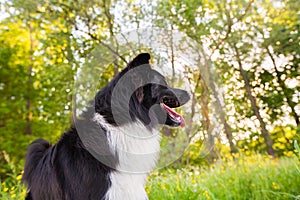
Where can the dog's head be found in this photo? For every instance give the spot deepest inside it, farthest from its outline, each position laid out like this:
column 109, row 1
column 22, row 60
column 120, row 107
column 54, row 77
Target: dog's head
column 140, row 93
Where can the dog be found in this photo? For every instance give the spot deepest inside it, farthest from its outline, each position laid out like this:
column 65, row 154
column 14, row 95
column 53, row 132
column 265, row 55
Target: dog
column 108, row 151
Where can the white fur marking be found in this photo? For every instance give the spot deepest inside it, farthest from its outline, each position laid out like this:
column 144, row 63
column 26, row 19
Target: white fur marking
column 137, row 149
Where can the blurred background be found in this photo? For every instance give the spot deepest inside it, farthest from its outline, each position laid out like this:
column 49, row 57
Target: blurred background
column 239, row 59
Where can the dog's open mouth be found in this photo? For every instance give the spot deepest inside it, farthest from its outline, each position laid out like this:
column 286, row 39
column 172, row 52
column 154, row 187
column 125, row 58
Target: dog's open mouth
column 167, row 104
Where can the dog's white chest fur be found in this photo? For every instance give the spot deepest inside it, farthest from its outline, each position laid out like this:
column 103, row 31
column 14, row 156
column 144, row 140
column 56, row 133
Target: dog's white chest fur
column 137, row 149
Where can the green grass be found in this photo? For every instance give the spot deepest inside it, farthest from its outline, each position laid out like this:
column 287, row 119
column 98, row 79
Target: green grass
column 245, row 178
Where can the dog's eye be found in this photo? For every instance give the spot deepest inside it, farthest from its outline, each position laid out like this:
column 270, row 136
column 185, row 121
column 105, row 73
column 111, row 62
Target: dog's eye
column 170, row 102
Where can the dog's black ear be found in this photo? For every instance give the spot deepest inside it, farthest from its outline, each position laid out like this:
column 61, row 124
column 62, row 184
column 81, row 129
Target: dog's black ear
column 140, row 59
column 137, row 75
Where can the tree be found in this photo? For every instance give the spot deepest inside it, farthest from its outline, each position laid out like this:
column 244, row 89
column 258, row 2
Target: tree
column 265, row 132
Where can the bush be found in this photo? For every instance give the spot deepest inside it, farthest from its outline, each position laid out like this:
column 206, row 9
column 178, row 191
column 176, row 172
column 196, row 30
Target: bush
column 11, row 188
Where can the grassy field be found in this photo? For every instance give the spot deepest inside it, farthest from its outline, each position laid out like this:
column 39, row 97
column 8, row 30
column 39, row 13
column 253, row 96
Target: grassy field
column 243, row 178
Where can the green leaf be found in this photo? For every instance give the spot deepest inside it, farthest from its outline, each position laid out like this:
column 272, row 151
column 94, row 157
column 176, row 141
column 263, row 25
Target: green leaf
column 297, row 146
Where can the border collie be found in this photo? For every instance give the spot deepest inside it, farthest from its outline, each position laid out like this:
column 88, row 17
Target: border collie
column 109, row 151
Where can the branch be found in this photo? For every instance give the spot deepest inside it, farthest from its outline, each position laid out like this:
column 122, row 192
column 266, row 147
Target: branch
column 94, row 37
column 229, row 26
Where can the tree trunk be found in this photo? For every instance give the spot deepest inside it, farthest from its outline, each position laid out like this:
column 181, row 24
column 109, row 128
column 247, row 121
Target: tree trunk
column 222, row 117
column 172, row 56
column 190, row 123
column 219, row 107
column 291, row 104
column 264, row 131
column 28, row 130
column 110, row 21
column 204, row 99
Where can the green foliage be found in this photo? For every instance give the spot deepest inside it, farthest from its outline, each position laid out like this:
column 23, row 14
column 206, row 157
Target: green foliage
column 37, row 73
column 297, row 146
column 11, row 188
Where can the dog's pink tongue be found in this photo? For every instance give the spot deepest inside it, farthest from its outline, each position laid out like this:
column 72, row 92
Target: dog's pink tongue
column 175, row 114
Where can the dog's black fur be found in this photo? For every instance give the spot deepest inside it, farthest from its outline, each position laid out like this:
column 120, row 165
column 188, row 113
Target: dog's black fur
column 67, row 170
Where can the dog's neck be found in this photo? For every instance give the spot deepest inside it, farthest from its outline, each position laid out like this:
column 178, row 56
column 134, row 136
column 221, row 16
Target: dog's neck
column 136, row 146
column 137, row 150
